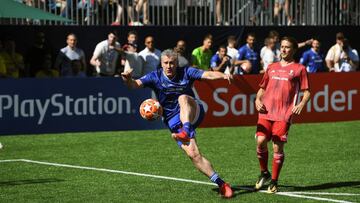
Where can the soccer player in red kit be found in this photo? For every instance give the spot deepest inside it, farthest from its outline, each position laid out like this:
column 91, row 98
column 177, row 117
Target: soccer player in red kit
column 276, row 103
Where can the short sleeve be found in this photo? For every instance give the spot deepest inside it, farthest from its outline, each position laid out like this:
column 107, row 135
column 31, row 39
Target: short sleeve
column 304, row 59
column 97, row 51
column 240, row 54
column 194, row 59
column 148, row 80
column 213, row 61
column 194, row 73
column 304, row 81
column 265, row 80
column 330, row 54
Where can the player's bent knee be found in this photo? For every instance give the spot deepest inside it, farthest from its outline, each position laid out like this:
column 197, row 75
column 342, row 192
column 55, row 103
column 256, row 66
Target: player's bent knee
column 261, row 140
column 183, row 98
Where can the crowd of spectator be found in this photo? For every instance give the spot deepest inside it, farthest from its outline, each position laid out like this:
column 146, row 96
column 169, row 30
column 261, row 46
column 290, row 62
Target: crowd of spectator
column 219, row 12
column 110, row 58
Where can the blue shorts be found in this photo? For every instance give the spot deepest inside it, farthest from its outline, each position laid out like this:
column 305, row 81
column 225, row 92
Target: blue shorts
column 174, row 124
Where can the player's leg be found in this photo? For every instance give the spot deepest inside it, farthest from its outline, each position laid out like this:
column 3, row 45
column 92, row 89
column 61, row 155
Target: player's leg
column 204, row 166
column 280, row 133
column 263, row 135
column 188, row 111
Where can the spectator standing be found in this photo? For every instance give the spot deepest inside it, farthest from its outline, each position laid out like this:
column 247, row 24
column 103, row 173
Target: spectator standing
column 269, row 54
column 36, row 54
column 221, row 61
column 68, row 54
column 133, row 61
column 119, row 12
column 201, row 56
column 313, row 59
column 14, row 62
column 134, row 10
column 106, row 55
column 151, row 55
column 247, row 52
column 180, row 49
column 231, row 48
column 334, row 51
column 278, row 6
column 348, row 59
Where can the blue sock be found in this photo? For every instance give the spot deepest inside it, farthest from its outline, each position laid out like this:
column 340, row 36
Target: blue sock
column 189, row 129
column 216, row 179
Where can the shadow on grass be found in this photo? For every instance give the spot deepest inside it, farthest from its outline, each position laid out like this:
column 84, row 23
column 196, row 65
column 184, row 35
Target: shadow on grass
column 323, row 186
column 25, row 182
column 239, row 189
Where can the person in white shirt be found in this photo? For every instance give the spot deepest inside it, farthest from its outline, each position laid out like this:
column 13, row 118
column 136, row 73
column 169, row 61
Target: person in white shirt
column 106, row 55
column 334, row 52
column 134, row 62
column 151, row 55
column 68, row 54
column 346, row 59
column 231, row 48
column 269, row 54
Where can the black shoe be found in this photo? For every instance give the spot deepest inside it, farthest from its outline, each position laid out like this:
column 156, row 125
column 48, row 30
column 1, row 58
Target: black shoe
column 273, row 187
column 263, row 178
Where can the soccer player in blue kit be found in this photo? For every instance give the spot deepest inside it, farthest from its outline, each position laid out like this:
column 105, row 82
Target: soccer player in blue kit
column 182, row 111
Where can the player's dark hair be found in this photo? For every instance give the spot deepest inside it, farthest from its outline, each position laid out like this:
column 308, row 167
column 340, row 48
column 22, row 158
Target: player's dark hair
column 222, row 47
column 132, row 32
column 208, row 36
column 292, row 41
column 252, row 34
column 114, row 32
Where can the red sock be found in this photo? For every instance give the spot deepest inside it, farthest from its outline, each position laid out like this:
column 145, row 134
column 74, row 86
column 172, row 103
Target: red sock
column 262, row 155
column 278, row 161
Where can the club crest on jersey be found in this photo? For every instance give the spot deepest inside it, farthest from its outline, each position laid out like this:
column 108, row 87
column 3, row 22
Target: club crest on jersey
column 291, row 73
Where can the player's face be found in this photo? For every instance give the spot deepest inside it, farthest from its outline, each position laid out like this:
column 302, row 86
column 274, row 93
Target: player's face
column 169, row 65
column 207, row 43
column 315, row 45
column 112, row 38
column 287, row 50
column 222, row 52
column 71, row 41
column 132, row 38
column 250, row 40
column 149, row 43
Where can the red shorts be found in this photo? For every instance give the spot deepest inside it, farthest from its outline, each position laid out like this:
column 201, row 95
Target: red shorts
column 273, row 130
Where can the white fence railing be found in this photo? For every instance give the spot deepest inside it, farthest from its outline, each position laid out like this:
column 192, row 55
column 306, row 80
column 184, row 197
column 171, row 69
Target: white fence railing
column 198, row 12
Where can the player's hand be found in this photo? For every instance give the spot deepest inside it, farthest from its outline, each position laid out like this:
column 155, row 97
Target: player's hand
column 297, row 109
column 229, row 78
column 126, row 76
column 260, row 107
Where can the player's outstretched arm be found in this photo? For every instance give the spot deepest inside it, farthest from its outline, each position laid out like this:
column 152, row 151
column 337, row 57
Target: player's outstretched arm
column 129, row 81
column 298, row 108
column 214, row 75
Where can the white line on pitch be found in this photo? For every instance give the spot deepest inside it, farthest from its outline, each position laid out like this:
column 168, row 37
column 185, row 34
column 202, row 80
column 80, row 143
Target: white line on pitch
column 117, row 171
column 11, row 160
column 311, row 197
column 323, row 193
column 290, row 194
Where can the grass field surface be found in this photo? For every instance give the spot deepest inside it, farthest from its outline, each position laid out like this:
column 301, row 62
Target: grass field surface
column 322, row 164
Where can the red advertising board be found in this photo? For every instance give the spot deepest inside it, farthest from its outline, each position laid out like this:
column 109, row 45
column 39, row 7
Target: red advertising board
column 334, row 97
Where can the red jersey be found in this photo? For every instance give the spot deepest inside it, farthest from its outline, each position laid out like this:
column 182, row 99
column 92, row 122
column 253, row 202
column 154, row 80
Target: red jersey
column 281, row 85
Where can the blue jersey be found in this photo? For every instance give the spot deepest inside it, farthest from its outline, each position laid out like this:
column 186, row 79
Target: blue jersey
column 313, row 61
column 245, row 53
column 216, row 61
column 168, row 90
